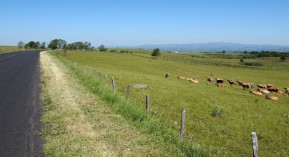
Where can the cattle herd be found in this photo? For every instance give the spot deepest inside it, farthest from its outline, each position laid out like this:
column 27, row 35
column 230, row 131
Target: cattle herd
column 262, row 89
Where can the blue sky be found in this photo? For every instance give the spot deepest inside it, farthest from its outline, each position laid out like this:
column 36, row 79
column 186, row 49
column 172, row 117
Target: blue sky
column 137, row 22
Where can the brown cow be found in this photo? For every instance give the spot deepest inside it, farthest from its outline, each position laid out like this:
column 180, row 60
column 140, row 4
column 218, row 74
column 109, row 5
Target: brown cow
column 272, row 97
column 189, row 78
column 248, row 85
column 193, row 81
column 181, row 77
column 269, row 85
column 256, row 93
column 262, row 86
column 240, row 83
column 272, row 89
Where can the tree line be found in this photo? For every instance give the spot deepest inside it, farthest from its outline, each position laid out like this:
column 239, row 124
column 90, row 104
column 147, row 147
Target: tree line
column 32, row 45
column 59, row 44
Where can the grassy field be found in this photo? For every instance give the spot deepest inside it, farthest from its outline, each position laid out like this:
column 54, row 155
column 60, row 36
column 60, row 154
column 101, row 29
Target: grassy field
column 225, row 135
column 4, row 49
column 78, row 123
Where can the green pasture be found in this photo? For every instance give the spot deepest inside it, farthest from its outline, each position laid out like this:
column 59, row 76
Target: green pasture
column 227, row 134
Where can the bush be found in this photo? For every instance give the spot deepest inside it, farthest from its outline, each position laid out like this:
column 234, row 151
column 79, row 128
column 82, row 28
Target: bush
column 283, row 57
column 102, row 48
column 156, row 52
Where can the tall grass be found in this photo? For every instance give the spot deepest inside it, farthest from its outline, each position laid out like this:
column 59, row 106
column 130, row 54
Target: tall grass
column 224, row 135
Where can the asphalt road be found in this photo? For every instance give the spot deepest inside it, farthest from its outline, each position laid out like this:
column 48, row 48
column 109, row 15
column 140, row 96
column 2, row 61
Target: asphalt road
column 20, row 108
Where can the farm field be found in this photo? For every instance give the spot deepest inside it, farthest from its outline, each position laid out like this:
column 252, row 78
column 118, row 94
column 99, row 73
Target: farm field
column 8, row 49
column 225, row 134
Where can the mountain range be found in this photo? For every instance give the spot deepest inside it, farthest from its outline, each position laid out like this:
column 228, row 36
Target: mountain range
column 213, row 47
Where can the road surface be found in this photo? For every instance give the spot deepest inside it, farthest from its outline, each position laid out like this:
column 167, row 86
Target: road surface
column 20, row 105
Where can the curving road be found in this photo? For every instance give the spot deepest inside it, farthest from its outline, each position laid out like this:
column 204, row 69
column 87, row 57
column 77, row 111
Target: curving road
column 20, row 108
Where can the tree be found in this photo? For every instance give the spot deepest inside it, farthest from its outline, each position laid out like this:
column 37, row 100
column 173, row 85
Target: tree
column 21, row 44
column 61, row 43
column 282, row 57
column 156, row 52
column 38, row 44
column 56, row 44
column 31, row 45
column 101, row 48
column 87, row 45
column 43, row 45
column 53, row 44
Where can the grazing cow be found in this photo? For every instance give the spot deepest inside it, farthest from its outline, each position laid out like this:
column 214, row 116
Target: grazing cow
column 210, row 80
column 240, row 83
column 256, row 93
column 269, row 85
column 262, row 86
column 220, row 80
column 231, row 82
column 272, row 97
column 272, row 89
column 265, row 91
column 286, row 90
column 248, row 85
column 181, row 77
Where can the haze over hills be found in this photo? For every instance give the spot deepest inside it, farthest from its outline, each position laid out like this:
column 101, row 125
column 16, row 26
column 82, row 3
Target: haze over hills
column 213, row 47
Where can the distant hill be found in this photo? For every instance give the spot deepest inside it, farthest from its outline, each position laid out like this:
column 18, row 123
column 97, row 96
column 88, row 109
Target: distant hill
column 214, row 47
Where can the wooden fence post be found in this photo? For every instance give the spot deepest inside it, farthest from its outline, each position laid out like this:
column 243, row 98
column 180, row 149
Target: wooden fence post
column 99, row 74
column 127, row 91
column 113, row 84
column 147, row 103
column 182, row 131
column 254, row 144
column 105, row 78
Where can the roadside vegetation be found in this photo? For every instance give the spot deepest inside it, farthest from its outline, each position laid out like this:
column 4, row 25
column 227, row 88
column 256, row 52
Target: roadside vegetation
column 77, row 123
column 219, row 121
